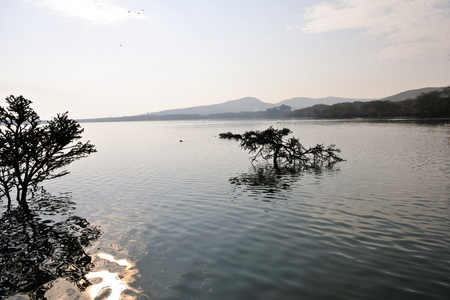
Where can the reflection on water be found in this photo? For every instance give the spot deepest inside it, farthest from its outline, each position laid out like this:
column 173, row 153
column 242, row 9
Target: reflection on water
column 272, row 184
column 36, row 249
column 109, row 286
column 112, row 283
column 265, row 176
column 110, row 280
column 375, row 229
column 43, row 256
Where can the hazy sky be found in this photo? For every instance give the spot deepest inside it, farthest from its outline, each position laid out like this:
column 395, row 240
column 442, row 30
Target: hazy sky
column 101, row 58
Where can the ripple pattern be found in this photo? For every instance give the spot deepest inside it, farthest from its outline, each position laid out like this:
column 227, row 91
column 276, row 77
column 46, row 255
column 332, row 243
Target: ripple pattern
column 196, row 227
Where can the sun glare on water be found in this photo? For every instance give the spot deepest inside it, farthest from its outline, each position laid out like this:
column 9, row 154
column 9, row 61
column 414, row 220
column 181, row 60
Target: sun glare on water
column 111, row 283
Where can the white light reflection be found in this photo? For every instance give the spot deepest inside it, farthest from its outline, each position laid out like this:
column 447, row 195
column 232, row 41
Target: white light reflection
column 109, row 285
column 120, row 262
column 110, row 281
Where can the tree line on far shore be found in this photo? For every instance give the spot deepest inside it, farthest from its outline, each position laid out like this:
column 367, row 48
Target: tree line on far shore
column 435, row 104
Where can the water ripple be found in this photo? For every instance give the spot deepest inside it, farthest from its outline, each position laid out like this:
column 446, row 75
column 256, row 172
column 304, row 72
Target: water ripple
column 198, row 224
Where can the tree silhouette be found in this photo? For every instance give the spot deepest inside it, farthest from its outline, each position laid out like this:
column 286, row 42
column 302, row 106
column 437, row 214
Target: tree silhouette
column 278, row 111
column 290, row 153
column 30, row 152
column 429, row 104
column 446, row 91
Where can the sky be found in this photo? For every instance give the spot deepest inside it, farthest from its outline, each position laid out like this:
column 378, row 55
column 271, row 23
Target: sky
column 110, row 58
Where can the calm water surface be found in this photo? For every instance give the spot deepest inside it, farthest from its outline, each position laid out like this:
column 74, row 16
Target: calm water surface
column 192, row 219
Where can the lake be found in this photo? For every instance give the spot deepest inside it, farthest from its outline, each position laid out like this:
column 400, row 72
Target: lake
column 184, row 215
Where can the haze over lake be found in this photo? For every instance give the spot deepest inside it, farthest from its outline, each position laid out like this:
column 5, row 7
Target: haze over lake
column 195, row 221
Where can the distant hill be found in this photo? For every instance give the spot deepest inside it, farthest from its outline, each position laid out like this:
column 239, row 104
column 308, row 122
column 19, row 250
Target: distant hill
column 431, row 104
column 252, row 105
column 248, row 104
column 411, row 94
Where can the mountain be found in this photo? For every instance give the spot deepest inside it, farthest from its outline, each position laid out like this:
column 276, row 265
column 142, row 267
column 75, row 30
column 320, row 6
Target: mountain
column 411, row 94
column 248, row 104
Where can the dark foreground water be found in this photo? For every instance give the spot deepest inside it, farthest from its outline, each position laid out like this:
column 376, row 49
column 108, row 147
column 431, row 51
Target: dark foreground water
column 193, row 220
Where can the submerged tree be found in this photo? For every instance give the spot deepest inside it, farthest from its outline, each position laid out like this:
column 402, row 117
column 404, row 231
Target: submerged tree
column 290, row 153
column 30, row 152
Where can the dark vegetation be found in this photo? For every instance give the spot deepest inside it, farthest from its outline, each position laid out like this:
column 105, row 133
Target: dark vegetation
column 271, row 144
column 435, row 104
column 31, row 152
